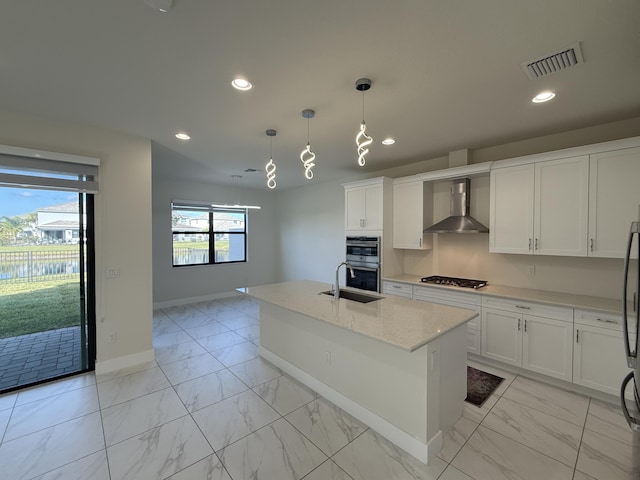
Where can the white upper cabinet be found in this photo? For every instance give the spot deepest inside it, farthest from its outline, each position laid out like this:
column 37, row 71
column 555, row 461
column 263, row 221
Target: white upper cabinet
column 614, row 200
column 410, row 214
column 561, row 208
column 540, row 208
column 364, row 204
column 511, row 209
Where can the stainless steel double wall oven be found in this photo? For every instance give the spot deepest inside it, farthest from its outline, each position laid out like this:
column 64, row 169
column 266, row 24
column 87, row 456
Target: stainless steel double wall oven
column 363, row 254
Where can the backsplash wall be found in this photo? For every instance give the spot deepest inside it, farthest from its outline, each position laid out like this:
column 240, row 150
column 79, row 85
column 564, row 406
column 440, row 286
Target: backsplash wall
column 467, row 255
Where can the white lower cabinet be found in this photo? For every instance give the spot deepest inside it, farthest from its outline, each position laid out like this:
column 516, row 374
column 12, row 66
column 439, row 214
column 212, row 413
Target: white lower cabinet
column 539, row 340
column 598, row 356
column 502, row 339
column 398, row 289
column 580, row 346
column 547, row 347
column 470, row 301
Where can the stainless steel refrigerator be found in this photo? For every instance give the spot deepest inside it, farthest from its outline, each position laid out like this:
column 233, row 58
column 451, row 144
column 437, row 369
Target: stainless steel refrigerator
column 629, row 395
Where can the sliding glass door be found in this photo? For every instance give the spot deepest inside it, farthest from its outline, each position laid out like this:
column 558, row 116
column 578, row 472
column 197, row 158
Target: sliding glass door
column 47, row 283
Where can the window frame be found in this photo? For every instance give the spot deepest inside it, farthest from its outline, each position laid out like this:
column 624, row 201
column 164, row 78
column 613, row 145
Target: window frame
column 211, row 232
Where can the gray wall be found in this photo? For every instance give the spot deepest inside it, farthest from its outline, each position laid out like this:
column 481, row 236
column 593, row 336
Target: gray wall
column 301, row 233
column 171, row 285
column 123, row 227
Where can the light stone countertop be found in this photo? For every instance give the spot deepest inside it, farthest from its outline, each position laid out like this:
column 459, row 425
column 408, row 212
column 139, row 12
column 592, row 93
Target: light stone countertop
column 607, row 305
column 408, row 324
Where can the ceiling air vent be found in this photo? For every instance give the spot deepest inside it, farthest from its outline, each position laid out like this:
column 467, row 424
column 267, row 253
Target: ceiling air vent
column 553, row 62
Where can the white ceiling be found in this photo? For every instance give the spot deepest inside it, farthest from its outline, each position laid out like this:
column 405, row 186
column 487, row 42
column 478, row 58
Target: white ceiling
column 446, row 75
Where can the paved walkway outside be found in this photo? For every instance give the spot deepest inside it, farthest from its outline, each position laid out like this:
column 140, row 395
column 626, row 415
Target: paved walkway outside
column 38, row 356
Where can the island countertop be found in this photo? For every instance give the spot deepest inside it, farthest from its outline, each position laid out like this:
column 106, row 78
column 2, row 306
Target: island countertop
column 408, row 324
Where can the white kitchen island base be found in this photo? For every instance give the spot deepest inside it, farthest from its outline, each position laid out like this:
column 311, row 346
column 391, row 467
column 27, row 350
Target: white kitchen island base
column 410, row 397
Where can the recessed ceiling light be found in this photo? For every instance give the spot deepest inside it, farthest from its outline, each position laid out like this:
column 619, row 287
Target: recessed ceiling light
column 182, row 136
column 388, row 141
column 543, row 97
column 241, row 84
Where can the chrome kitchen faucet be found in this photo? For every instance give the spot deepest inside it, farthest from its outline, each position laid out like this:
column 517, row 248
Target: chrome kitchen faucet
column 336, row 289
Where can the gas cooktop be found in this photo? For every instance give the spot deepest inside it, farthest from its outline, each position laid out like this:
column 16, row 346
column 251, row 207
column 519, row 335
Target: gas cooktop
column 455, row 282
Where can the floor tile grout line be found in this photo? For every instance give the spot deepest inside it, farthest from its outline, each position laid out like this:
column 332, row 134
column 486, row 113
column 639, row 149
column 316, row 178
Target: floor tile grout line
column 302, row 433
column 584, row 427
column 190, row 414
column 475, row 429
column 535, row 409
column 104, row 437
column 4, row 440
column 530, row 447
column 547, row 413
column 4, row 433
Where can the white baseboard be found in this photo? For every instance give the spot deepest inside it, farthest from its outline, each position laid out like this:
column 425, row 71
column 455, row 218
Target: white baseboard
column 126, row 361
column 571, row 387
column 188, row 300
column 411, row 445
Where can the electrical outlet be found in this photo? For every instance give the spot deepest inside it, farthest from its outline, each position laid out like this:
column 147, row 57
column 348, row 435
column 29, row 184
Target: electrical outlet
column 531, row 270
column 327, row 357
column 111, row 337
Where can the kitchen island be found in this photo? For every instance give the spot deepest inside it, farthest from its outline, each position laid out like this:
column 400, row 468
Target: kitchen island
column 397, row 365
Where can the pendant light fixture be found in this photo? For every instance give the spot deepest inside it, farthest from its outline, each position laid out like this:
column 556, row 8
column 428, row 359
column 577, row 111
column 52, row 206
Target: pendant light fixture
column 307, row 156
column 362, row 139
column 270, row 168
column 235, row 186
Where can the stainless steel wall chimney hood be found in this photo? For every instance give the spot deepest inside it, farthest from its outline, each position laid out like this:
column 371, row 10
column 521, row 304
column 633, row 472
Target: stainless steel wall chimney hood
column 459, row 221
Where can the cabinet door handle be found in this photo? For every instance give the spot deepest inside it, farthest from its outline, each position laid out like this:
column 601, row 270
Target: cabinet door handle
column 525, row 326
column 420, row 242
column 591, row 244
column 529, row 244
column 606, row 320
column 396, row 286
column 523, row 307
column 577, row 336
column 519, row 324
column 536, row 247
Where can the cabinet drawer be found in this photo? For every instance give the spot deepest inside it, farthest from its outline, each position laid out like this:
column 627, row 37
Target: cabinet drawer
column 594, row 318
column 453, row 299
column 398, row 289
column 435, row 294
column 528, row 308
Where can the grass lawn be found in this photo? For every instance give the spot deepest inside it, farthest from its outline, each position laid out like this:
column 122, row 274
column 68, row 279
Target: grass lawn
column 38, row 306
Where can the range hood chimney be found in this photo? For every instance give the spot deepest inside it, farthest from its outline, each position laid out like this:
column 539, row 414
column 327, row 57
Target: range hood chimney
column 459, row 220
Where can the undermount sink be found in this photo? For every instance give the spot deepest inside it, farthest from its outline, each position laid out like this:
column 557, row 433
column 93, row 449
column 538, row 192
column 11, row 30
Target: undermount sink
column 356, row 297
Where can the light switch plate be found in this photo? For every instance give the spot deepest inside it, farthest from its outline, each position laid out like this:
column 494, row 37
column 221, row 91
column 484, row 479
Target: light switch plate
column 113, row 272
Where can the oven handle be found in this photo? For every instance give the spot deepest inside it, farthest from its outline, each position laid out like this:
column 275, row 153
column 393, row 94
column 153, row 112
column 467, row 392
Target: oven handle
column 366, row 269
column 373, row 244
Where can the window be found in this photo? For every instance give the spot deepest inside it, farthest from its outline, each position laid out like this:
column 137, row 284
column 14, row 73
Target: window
column 205, row 235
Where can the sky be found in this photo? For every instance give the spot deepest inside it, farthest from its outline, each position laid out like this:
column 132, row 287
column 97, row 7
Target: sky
column 18, row 201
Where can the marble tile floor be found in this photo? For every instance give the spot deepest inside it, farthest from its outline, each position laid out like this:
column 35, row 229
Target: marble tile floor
column 209, row 408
